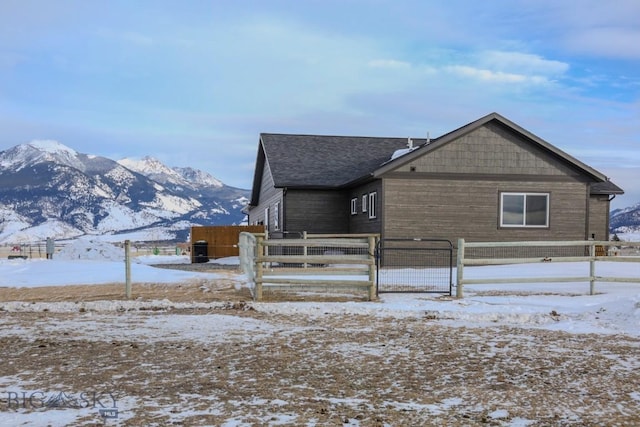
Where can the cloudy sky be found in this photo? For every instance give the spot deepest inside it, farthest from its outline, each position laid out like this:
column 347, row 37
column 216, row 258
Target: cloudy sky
column 194, row 82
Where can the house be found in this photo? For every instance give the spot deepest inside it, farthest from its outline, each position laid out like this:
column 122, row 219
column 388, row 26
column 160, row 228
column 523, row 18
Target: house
column 490, row 180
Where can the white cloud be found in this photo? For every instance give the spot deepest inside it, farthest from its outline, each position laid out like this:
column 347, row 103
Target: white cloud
column 522, row 63
column 494, row 76
column 509, row 67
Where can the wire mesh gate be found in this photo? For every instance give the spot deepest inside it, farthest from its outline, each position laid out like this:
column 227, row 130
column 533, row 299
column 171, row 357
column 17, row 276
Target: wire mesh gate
column 414, row 265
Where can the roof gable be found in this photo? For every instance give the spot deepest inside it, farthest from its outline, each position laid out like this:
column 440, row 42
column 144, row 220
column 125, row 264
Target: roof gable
column 527, row 141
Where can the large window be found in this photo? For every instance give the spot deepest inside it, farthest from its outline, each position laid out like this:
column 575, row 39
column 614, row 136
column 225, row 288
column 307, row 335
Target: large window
column 524, row 210
column 372, row 205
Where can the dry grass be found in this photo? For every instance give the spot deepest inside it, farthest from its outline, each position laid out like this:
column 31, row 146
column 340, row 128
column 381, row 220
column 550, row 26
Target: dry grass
column 302, row 370
column 195, row 291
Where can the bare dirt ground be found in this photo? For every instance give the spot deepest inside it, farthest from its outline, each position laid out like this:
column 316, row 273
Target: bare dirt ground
column 233, row 364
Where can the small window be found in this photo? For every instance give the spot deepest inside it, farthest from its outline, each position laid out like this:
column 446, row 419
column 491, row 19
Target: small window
column 354, row 206
column 372, row 205
column 524, row 210
column 365, row 201
column 266, row 219
column 276, row 217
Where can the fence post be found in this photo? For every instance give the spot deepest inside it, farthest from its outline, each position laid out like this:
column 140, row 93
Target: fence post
column 592, row 269
column 372, row 268
column 304, row 249
column 260, row 250
column 459, row 268
column 127, row 268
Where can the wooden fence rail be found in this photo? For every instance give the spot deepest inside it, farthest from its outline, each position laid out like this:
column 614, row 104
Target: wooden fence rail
column 596, row 253
column 287, row 263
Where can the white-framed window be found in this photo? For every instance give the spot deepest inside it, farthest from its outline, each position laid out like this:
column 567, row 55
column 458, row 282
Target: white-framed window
column 372, row 204
column 524, row 210
column 266, row 219
column 365, row 202
column 354, row 206
column 276, row 216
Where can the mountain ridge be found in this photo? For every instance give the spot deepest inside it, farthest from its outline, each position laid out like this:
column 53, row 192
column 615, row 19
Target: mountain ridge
column 50, row 190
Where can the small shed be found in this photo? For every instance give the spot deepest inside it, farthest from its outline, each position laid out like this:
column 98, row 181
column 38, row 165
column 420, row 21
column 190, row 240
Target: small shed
column 212, row 242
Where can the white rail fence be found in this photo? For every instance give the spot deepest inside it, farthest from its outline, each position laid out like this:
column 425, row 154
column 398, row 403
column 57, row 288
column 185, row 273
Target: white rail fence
column 595, row 251
column 329, row 262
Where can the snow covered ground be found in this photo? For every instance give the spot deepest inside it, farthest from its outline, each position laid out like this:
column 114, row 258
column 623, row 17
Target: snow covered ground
column 614, row 309
column 563, row 307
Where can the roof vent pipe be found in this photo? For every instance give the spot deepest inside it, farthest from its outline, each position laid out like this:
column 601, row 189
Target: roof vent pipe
column 410, row 143
column 428, row 139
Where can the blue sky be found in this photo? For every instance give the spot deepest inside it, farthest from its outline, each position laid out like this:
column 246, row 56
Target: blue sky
column 194, row 82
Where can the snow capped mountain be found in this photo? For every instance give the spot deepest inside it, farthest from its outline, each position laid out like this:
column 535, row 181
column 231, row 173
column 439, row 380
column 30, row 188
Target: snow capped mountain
column 39, row 151
column 195, row 175
column 50, row 190
column 176, row 177
column 151, row 168
column 626, row 221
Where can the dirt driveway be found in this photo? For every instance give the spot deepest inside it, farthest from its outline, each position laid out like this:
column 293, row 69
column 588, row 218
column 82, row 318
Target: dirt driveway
column 224, row 361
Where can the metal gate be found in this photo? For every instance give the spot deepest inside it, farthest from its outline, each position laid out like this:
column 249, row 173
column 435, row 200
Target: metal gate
column 414, row 265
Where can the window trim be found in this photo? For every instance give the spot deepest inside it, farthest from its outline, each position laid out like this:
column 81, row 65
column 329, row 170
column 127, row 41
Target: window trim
column 524, row 194
column 354, row 206
column 365, row 199
column 372, row 204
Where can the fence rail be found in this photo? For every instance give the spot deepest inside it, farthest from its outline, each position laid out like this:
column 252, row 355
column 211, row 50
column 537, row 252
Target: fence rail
column 286, row 264
column 595, row 251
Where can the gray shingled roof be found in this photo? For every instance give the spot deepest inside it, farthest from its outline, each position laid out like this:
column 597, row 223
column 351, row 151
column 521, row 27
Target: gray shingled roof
column 605, row 188
column 316, row 161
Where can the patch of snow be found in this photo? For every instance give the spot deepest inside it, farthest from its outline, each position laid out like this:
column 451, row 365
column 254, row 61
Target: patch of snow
column 12, row 223
column 89, row 249
column 401, row 152
column 499, row 414
column 51, row 228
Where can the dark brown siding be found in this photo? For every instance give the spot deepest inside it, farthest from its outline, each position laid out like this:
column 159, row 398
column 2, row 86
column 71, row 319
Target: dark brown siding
column 361, row 223
column 599, row 210
column 317, row 211
column 269, row 196
column 452, row 209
